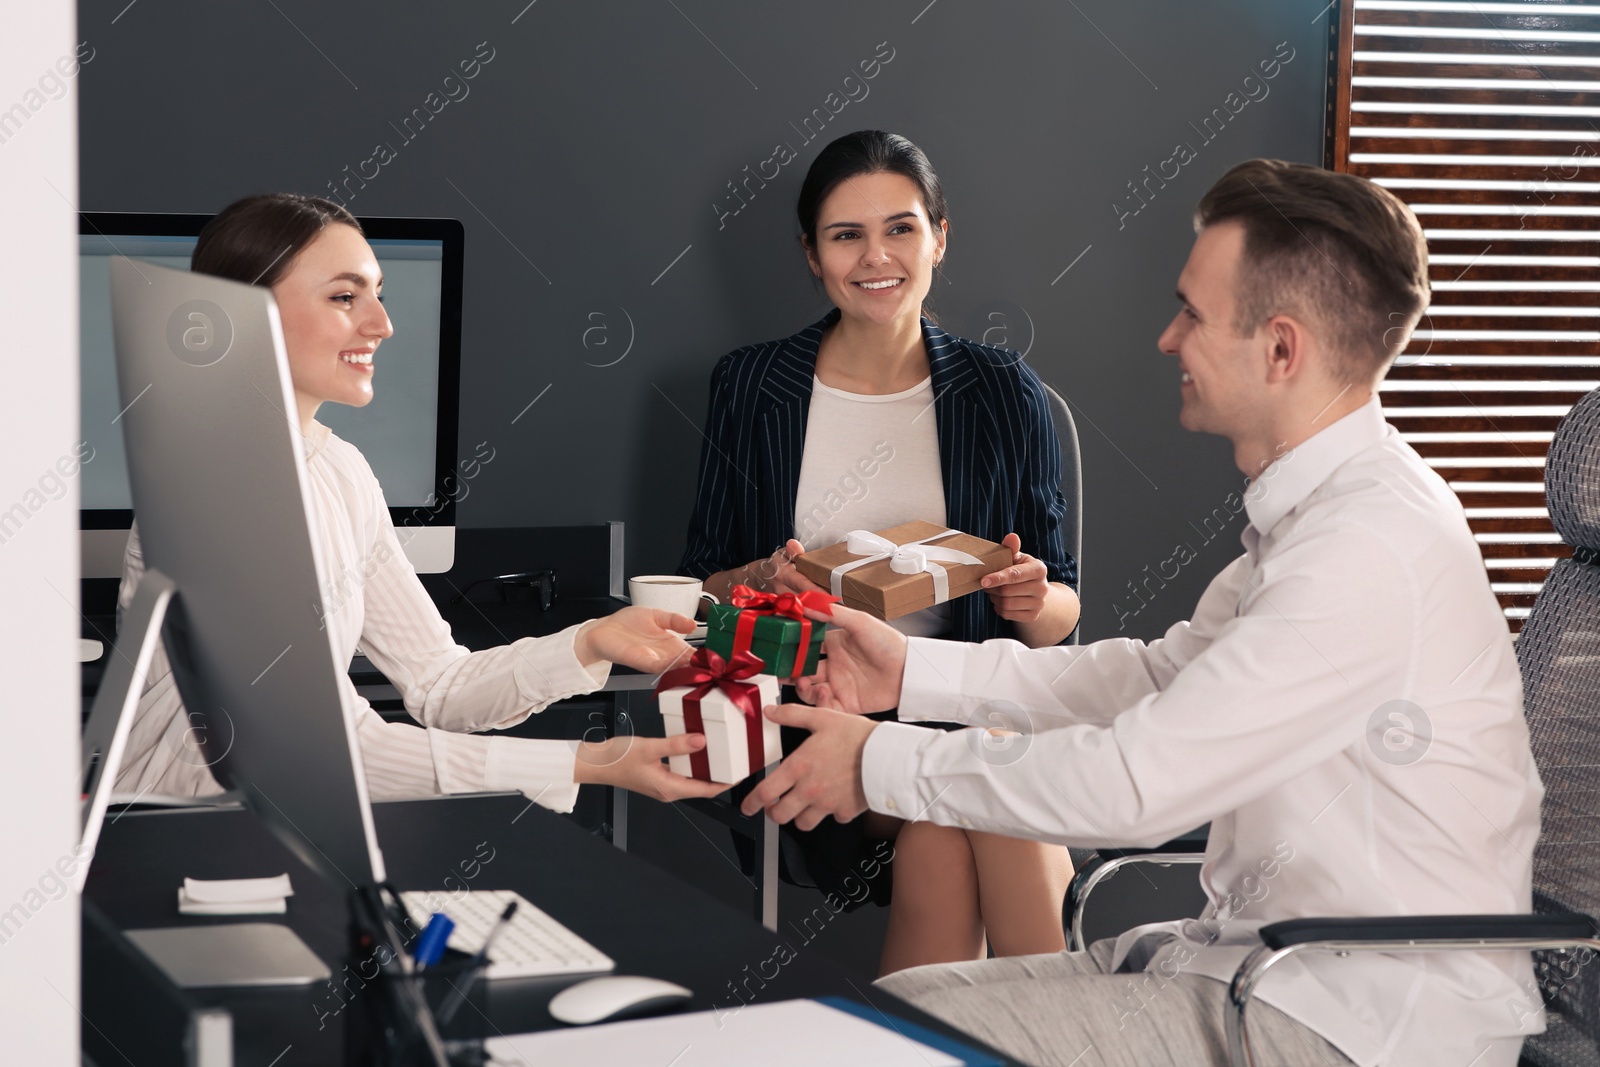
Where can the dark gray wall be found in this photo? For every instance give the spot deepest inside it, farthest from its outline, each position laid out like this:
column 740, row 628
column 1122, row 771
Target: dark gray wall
column 598, row 143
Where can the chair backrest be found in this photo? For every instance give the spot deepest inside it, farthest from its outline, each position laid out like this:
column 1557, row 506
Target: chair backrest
column 1558, row 652
column 1071, row 485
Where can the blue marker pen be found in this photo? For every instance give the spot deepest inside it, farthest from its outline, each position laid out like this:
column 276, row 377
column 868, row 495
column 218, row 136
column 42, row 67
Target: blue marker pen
column 431, row 942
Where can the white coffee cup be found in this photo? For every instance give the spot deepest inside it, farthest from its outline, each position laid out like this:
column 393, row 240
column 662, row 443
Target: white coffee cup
column 670, row 592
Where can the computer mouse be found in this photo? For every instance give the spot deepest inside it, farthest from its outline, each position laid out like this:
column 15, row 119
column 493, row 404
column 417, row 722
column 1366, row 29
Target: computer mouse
column 615, row 996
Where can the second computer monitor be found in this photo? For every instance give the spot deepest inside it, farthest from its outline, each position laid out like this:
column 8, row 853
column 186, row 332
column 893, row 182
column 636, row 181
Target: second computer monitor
column 408, row 432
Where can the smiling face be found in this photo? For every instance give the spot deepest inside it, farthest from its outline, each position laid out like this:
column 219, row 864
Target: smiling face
column 333, row 320
column 876, row 248
column 1222, row 375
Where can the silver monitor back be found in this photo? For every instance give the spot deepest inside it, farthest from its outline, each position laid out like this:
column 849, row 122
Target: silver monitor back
column 220, row 493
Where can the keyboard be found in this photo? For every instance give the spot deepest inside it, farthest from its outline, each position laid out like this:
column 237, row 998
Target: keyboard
column 532, row 945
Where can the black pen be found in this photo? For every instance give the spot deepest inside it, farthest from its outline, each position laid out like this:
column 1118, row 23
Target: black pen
column 478, row 963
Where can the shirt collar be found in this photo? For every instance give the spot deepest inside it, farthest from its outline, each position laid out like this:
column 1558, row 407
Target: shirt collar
column 314, row 440
column 1294, row 475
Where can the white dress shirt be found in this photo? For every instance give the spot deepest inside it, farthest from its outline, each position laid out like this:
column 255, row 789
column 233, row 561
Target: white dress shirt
column 871, row 461
column 373, row 599
column 1271, row 714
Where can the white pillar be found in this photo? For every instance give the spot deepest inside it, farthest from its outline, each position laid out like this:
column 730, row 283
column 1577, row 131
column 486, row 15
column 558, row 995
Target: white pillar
column 39, row 687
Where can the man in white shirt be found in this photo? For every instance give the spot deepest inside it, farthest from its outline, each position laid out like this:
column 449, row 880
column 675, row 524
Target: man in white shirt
column 1344, row 707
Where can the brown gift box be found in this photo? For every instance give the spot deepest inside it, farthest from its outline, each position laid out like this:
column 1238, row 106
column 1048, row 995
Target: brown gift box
column 878, row 590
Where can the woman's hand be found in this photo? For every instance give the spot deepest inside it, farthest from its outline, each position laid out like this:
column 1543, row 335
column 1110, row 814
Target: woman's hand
column 646, row 639
column 775, row 574
column 864, row 661
column 784, row 577
column 635, row 764
column 1018, row 592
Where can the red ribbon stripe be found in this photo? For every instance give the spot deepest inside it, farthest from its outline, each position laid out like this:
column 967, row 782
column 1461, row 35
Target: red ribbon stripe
column 753, row 604
column 707, row 671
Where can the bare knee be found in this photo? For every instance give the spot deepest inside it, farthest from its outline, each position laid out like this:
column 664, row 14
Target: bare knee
column 1051, row 864
column 1022, row 885
column 931, row 863
column 935, row 916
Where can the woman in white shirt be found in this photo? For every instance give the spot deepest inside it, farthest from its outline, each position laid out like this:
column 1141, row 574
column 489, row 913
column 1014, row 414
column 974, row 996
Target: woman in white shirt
column 327, row 284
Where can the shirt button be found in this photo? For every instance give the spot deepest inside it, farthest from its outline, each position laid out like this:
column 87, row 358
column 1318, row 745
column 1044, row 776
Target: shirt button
column 966, row 824
column 889, row 804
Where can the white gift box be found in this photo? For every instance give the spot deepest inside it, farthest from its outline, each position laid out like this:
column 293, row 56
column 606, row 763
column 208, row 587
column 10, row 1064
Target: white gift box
column 727, row 748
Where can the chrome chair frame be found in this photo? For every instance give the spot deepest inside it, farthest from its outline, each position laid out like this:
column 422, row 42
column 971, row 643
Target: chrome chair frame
column 1091, row 874
column 1276, row 948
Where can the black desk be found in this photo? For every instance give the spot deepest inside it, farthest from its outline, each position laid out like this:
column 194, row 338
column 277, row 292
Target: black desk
column 646, row 920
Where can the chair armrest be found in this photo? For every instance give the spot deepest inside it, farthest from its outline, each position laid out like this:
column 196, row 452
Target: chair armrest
column 1193, row 841
column 1430, row 928
column 1177, row 846
column 1393, row 933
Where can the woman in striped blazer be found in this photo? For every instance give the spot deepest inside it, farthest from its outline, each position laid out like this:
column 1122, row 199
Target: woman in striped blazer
column 873, row 417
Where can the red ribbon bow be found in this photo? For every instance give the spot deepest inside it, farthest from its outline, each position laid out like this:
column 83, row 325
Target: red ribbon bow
column 788, row 605
column 707, row 671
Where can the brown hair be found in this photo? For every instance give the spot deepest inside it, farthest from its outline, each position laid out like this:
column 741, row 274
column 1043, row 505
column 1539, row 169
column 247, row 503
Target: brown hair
column 255, row 239
column 1332, row 249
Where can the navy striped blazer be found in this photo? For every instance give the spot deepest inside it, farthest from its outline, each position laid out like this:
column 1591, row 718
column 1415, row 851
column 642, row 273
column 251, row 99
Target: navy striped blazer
column 997, row 450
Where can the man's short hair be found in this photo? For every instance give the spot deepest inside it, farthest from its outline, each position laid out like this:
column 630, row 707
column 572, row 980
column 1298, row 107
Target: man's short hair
column 1331, row 249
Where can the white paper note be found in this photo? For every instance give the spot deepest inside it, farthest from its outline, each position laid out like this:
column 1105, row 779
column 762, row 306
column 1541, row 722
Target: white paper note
column 234, row 890
column 235, row 896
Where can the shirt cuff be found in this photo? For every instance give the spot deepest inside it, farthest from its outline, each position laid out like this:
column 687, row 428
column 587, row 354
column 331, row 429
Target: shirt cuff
column 547, row 668
column 931, row 685
column 540, row 770
column 889, row 768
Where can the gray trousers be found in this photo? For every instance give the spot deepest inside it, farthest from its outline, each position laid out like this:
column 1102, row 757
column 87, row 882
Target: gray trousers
column 1064, row 1010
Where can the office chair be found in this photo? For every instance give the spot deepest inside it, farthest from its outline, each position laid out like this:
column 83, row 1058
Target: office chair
column 1558, row 652
column 1071, row 486
column 1072, row 533
column 1092, row 867
column 1562, row 702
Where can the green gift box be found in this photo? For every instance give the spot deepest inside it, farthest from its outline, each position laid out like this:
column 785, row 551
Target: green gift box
column 773, row 638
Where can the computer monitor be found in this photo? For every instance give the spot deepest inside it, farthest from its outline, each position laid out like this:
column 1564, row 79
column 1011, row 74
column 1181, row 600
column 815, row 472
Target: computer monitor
column 234, row 580
column 407, row 433
column 218, row 475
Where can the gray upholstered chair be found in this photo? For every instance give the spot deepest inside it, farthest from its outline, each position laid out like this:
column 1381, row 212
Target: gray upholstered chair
column 1071, row 486
column 1072, row 533
column 1558, row 651
column 1092, row 867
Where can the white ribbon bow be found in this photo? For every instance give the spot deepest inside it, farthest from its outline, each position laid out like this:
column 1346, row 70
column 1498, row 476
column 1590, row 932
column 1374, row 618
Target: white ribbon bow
column 913, row 557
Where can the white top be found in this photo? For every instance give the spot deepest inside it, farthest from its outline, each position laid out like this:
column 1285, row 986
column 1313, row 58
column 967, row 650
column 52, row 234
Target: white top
column 871, row 462
column 1272, row 714
column 372, row 597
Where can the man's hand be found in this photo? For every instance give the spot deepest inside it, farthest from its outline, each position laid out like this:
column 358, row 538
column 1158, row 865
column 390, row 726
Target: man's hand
column 864, row 661
column 646, row 639
column 820, row 778
column 634, row 763
column 1018, row 592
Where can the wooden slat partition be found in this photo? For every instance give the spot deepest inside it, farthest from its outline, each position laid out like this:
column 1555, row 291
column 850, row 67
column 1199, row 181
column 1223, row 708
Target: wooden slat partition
column 1485, row 118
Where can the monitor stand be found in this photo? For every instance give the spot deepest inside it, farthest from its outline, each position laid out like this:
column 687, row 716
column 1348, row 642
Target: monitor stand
column 116, row 703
